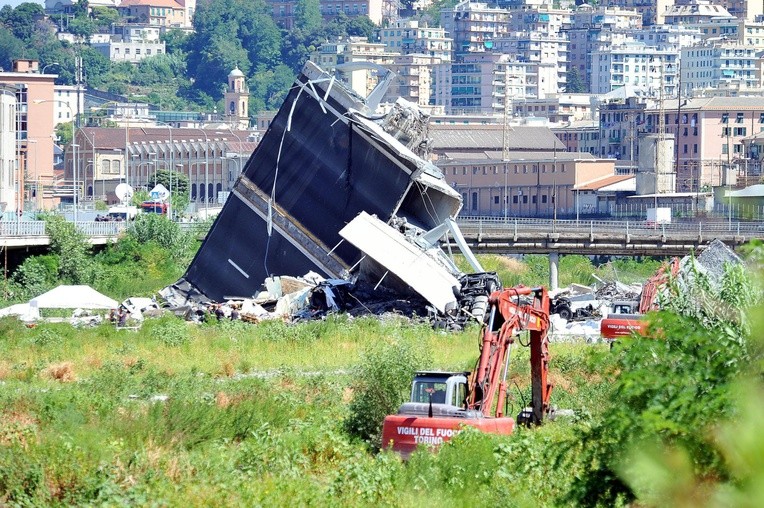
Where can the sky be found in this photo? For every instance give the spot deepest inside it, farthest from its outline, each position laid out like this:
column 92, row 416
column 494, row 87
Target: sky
column 14, row 3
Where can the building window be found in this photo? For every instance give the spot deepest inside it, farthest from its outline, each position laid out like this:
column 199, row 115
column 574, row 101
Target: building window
column 726, row 131
column 725, row 117
column 474, row 201
column 514, row 199
column 543, row 199
column 740, row 131
column 739, row 118
column 533, row 199
column 525, row 200
column 496, row 200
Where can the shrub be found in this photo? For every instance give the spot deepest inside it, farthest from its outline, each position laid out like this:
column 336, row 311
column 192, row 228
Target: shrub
column 381, row 382
column 171, row 331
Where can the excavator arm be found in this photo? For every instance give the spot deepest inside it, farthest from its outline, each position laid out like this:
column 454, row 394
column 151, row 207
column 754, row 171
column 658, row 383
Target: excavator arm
column 512, row 311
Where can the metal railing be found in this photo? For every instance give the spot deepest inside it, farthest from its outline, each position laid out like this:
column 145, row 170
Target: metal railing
column 496, row 225
column 490, row 226
column 36, row 228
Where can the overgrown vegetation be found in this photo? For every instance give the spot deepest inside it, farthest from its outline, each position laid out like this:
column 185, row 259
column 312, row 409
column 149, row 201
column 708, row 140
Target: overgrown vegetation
column 229, row 414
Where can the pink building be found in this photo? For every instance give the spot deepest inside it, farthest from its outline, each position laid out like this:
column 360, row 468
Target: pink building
column 710, row 134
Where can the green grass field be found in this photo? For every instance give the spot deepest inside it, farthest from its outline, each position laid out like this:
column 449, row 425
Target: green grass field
column 222, row 414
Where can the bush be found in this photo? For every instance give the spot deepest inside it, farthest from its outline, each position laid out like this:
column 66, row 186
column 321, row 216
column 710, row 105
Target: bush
column 381, row 382
column 171, row 331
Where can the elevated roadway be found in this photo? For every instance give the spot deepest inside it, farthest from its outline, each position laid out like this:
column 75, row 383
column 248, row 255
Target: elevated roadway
column 623, row 238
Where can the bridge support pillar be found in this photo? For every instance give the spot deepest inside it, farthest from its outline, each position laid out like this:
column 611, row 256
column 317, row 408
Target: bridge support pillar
column 554, row 260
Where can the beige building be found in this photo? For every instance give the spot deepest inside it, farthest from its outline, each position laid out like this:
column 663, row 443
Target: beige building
column 211, row 158
column 164, row 13
column 530, row 184
column 33, row 176
column 354, row 50
column 413, row 78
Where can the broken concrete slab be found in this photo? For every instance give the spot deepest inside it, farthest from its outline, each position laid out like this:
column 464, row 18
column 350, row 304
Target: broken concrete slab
column 408, row 262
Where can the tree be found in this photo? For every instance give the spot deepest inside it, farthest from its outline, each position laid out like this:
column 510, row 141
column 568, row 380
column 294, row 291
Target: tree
column 104, row 16
column 178, row 183
column 11, row 48
column 574, row 83
column 230, row 34
column 23, row 19
column 174, row 41
column 307, row 15
column 64, row 133
column 82, row 27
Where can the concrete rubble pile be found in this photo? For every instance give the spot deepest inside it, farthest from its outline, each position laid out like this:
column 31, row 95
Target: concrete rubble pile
column 578, row 310
column 342, row 202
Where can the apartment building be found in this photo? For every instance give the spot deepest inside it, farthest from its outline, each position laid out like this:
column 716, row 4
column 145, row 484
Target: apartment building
column 653, row 11
column 354, row 49
column 710, row 134
column 547, row 56
column 408, row 37
column 693, row 13
column 34, row 128
column 474, row 26
column 283, row 10
column 579, row 136
column 69, row 102
column 158, row 13
column 413, row 78
column 637, row 64
column 538, row 19
column 717, row 61
column 480, row 83
column 9, row 174
column 601, row 17
column 743, row 9
column 559, row 108
column 131, row 43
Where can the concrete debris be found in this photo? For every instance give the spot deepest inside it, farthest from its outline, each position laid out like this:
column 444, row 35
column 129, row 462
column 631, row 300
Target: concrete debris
column 714, row 258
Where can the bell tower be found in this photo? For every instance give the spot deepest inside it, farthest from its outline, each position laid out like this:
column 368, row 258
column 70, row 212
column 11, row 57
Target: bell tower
column 237, row 101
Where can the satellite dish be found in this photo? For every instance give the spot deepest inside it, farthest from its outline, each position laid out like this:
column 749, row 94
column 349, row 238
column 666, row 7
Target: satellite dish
column 124, row 192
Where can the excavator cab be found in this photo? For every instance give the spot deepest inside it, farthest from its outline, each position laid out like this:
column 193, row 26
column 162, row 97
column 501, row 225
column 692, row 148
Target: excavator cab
column 444, row 387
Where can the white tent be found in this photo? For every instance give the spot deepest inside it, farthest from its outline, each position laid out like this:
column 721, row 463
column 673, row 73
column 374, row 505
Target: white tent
column 20, row 310
column 73, row 297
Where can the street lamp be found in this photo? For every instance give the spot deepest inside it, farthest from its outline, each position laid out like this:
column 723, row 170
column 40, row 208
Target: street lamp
column 36, row 181
column 48, row 65
column 74, row 149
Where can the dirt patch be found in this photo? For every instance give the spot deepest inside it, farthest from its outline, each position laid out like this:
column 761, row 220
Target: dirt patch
column 63, row 372
column 228, row 369
column 561, row 382
column 5, row 370
column 17, row 427
column 511, row 264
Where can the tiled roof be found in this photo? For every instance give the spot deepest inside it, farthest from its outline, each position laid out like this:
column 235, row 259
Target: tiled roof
column 604, row 182
column 447, row 137
column 152, row 3
column 114, row 137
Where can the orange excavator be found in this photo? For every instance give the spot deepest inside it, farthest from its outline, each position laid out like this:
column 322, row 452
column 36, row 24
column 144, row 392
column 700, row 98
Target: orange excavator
column 443, row 403
column 624, row 324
